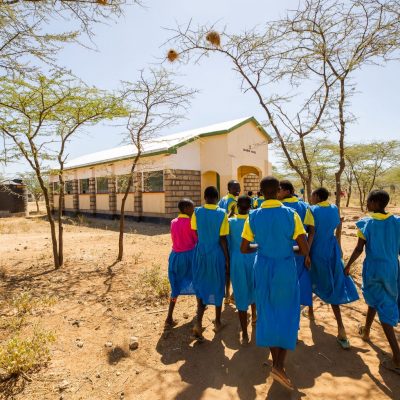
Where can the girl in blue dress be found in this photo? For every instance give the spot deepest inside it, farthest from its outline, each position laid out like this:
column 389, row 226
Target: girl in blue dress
column 328, row 280
column 242, row 267
column 211, row 259
column 287, row 197
column 229, row 204
column 273, row 227
column 379, row 233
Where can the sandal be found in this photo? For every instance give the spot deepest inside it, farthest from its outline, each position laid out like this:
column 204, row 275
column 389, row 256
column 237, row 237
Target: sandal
column 282, row 379
column 361, row 332
column 197, row 334
column 344, row 343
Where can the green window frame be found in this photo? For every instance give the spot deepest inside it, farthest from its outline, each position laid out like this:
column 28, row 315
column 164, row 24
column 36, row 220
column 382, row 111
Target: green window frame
column 102, row 185
column 68, row 187
column 153, row 182
column 84, row 186
column 122, row 183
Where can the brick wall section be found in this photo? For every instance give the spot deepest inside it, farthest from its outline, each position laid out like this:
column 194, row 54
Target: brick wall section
column 138, row 198
column 179, row 183
column 75, row 194
column 251, row 182
column 112, row 194
column 92, row 192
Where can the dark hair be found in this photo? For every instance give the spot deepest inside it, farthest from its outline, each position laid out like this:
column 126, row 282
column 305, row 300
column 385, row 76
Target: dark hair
column 269, row 186
column 250, row 193
column 231, row 183
column 184, row 203
column 322, row 193
column 244, row 202
column 258, row 194
column 380, row 197
column 287, row 185
column 211, row 193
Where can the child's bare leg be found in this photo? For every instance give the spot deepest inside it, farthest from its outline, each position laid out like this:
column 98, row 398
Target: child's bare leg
column 394, row 345
column 218, row 324
column 338, row 316
column 274, row 353
column 253, row 314
column 243, row 324
column 368, row 323
column 228, row 289
column 172, row 302
column 311, row 312
column 280, row 365
column 198, row 327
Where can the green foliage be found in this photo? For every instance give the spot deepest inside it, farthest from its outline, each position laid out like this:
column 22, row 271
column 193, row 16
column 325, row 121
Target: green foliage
column 20, row 355
column 155, row 283
column 369, row 161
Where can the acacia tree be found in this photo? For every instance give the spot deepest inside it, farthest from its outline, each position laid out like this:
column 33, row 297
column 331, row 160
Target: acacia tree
column 263, row 60
column 156, row 103
column 369, row 161
column 39, row 117
column 321, row 44
column 341, row 37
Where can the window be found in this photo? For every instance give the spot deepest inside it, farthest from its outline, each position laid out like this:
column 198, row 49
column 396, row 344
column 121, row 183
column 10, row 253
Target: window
column 122, row 183
column 153, row 181
column 56, row 187
column 84, row 186
column 68, row 187
column 101, row 185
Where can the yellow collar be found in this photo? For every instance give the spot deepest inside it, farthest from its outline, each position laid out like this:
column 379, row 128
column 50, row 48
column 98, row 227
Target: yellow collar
column 380, row 216
column 324, row 204
column 230, row 196
column 292, row 199
column 260, row 198
column 183, row 216
column 271, row 203
column 241, row 216
column 210, row 206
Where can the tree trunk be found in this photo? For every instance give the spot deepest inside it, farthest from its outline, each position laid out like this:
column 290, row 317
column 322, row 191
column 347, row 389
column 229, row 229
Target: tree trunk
column 60, row 225
column 349, row 194
column 308, row 189
column 122, row 214
column 51, row 222
column 342, row 131
column 37, row 206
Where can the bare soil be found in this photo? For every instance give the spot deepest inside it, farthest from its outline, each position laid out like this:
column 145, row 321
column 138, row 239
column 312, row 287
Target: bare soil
column 101, row 303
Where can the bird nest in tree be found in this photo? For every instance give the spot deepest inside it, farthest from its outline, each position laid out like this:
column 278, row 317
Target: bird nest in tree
column 172, row 55
column 214, row 38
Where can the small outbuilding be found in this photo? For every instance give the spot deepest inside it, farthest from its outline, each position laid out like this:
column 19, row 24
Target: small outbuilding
column 13, row 198
column 171, row 167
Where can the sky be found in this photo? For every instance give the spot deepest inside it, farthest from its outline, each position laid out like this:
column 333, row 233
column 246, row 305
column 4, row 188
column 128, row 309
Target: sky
column 132, row 42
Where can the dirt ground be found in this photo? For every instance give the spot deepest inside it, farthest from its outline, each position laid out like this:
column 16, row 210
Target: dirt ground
column 101, row 303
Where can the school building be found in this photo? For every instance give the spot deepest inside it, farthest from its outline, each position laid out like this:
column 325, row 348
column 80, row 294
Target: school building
column 170, row 168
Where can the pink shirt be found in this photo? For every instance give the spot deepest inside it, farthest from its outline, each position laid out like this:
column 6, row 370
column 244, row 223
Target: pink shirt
column 183, row 237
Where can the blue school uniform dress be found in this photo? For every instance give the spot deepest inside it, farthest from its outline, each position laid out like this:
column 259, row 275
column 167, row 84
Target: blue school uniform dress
column 227, row 203
column 302, row 271
column 274, row 227
column 381, row 276
column 180, row 261
column 328, row 280
column 241, row 265
column 211, row 222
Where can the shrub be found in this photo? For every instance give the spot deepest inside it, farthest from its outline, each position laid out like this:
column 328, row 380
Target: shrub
column 157, row 283
column 19, row 356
